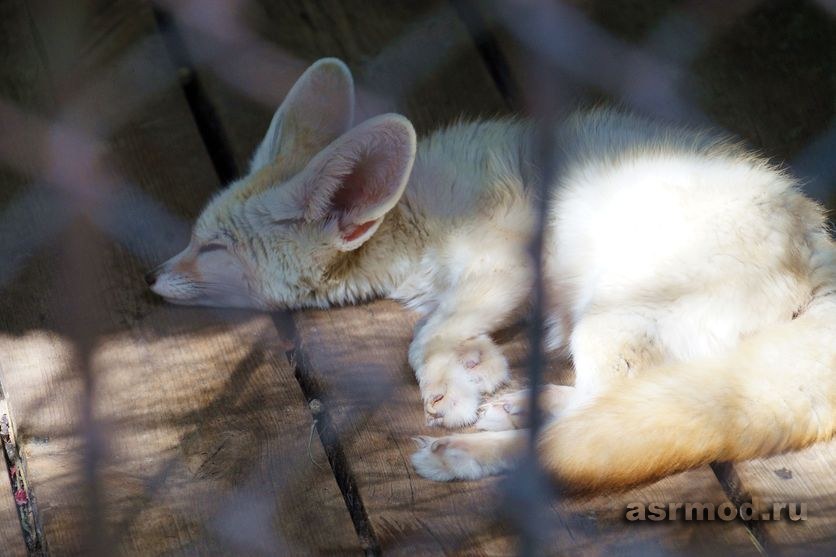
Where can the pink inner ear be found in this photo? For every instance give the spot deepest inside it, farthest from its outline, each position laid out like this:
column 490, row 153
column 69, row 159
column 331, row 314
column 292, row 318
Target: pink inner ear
column 361, row 187
column 357, row 191
column 355, row 232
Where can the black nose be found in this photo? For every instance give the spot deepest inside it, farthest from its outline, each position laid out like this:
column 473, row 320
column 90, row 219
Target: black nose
column 150, row 278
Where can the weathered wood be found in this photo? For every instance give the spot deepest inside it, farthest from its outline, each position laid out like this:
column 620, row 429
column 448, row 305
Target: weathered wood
column 355, row 358
column 11, row 538
column 807, row 477
column 207, row 449
column 199, row 439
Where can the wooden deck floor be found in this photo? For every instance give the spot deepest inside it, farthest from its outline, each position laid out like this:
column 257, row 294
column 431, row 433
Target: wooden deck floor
column 215, row 432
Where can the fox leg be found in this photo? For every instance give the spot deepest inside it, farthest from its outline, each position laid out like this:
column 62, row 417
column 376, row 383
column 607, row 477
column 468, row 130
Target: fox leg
column 454, row 358
column 612, row 344
column 468, row 456
column 603, row 346
column 510, row 411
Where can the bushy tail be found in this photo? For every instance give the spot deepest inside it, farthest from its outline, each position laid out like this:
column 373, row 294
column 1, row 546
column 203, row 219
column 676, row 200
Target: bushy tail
column 776, row 392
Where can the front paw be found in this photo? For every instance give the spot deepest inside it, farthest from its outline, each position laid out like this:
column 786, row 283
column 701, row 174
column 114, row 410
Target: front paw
column 503, row 413
column 468, row 456
column 443, row 459
column 483, row 363
column 451, row 403
column 510, row 411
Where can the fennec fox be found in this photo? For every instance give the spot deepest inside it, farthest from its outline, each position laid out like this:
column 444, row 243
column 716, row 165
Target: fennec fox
column 692, row 283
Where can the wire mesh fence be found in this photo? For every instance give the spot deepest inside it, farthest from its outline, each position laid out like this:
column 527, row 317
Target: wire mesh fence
column 120, row 119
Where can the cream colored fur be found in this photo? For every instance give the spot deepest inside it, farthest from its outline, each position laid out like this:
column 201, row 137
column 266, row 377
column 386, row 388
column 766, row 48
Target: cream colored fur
column 692, row 283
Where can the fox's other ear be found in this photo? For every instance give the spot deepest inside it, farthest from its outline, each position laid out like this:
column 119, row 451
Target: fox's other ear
column 355, row 181
column 317, row 110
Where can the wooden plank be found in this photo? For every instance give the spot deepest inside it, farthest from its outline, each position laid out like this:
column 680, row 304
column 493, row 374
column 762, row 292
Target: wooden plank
column 807, row 477
column 201, row 435
column 355, row 358
column 370, row 393
column 11, row 538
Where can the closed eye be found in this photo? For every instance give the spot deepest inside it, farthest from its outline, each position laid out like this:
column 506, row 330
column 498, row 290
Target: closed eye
column 211, row 247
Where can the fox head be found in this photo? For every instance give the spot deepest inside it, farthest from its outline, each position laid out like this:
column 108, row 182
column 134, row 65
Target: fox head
column 316, row 189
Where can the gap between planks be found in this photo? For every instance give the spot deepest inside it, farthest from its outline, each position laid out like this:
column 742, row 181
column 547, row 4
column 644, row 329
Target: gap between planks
column 18, row 520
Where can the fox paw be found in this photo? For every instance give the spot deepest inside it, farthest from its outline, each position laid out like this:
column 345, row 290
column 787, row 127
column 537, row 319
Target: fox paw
column 443, row 459
column 510, row 411
column 505, row 412
column 451, row 404
column 483, row 363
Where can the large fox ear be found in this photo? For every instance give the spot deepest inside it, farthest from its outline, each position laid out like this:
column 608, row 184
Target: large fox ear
column 317, row 110
column 351, row 185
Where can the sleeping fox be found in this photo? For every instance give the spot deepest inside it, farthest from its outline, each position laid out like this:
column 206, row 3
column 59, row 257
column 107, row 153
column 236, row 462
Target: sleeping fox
column 692, row 283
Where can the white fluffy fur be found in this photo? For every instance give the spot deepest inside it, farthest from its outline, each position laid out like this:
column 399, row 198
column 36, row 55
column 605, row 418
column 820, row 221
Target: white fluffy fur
column 692, row 283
